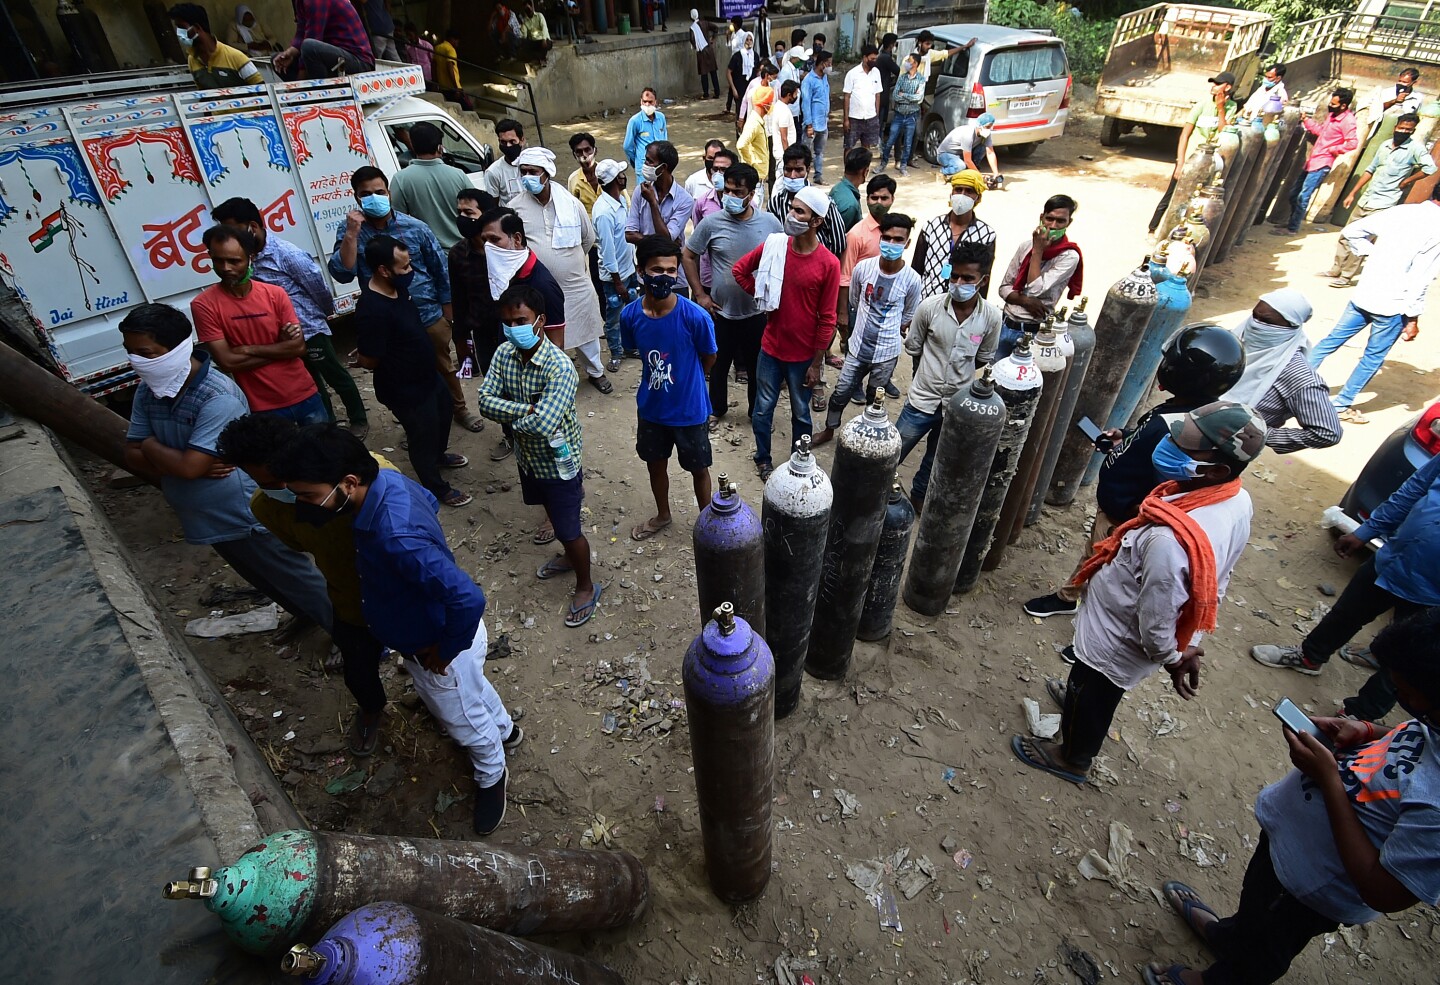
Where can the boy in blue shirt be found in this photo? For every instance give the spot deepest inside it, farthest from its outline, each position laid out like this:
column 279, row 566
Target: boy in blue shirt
column 676, row 339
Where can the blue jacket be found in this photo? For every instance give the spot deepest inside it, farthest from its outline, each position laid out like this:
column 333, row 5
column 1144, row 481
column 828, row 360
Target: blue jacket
column 1408, row 565
column 413, row 593
column 815, row 102
column 641, row 133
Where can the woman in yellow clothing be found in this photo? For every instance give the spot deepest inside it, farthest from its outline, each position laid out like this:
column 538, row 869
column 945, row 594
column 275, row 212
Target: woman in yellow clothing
column 754, row 144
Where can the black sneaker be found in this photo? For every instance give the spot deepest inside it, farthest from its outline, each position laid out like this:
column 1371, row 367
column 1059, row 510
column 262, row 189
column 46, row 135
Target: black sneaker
column 1050, row 605
column 892, row 391
column 1068, row 654
column 512, row 741
column 490, row 806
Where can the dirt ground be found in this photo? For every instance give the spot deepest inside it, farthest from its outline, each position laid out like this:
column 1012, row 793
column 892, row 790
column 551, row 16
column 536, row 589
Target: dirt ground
column 918, row 733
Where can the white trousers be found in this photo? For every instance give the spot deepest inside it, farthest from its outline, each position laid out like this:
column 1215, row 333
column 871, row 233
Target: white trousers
column 466, row 704
column 590, row 359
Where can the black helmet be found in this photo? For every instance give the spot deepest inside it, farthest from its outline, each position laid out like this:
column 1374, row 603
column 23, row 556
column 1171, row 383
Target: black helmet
column 1200, row 362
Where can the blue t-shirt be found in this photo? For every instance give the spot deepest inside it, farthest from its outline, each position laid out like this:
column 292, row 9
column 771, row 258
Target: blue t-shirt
column 672, row 384
column 1394, row 786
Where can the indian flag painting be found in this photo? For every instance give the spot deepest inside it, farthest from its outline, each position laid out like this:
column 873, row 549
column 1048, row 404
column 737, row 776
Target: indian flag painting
column 50, row 227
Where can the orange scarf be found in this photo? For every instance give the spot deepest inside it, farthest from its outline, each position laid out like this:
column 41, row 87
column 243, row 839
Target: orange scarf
column 1201, row 608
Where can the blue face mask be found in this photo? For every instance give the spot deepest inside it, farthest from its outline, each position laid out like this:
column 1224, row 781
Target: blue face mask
column 1270, row 83
column 792, row 185
column 660, row 286
column 523, row 335
column 892, row 251
column 1172, row 463
column 375, row 206
column 962, row 292
column 281, row 495
column 534, row 184
column 734, row 204
column 717, row 179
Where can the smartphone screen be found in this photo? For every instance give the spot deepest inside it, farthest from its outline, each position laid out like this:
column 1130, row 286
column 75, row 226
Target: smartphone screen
column 1088, row 427
column 1295, row 719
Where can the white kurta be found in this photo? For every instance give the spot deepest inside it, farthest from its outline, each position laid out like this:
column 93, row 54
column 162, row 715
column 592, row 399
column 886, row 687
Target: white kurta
column 570, row 266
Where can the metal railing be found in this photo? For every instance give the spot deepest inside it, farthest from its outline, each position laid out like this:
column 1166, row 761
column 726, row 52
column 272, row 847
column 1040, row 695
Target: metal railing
column 500, row 106
column 1241, row 29
column 1386, row 35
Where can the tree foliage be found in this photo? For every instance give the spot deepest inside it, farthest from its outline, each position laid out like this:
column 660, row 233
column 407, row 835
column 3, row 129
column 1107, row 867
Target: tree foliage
column 1086, row 38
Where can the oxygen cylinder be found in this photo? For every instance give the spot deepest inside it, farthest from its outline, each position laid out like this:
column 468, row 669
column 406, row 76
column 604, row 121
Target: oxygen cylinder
column 969, row 432
column 1242, row 208
column 730, row 556
column 1172, row 302
column 1227, row 145
column 393, row 944
column 1017, row 381
column 878, row 615
column 1291, row 169
column 795, row 517
column 1118, row 330
column 1082, row 344
column 729, row 678
column 1193, row 230
column 295, row 883
column 1288, row 133
column 1199, row 168
column 1272, row 109
column 1050, row 361
column 1247, row 165
column 866, row 454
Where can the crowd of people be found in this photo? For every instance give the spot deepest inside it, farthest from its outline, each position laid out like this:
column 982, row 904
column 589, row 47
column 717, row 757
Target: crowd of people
column 484, row 303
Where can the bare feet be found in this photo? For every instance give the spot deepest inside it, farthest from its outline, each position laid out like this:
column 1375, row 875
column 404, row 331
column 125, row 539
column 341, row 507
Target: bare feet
column 820, row 437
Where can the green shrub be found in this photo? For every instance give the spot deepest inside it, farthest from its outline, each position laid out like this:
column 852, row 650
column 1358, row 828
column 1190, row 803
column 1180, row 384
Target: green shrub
column 1086, row 40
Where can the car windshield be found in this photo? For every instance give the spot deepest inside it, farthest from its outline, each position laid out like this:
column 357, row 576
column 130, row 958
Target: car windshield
column 1038, row 64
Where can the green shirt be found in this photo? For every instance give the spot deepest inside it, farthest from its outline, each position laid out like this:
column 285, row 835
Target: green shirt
column 847, row 199
column 1391, row 166
column 546, row 383
column 426, row 189
column 1206, row 123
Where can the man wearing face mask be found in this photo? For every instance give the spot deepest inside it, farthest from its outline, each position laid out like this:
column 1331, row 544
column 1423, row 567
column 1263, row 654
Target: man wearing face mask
column 180, row 408
column 1278, row 381
column 863, row 89
column 1335, row 135
column 958, row 224
column 1197, row 364
column 584, row 183
column 861, row 243
column 1175, row 557
column 702, row 181
column 644, row 128
column 1398, row 164
column 815, row 110
column 251, row 443
column 213, row 64
column 1040, row 272
column 886, row 294
column 660, row 207
column 724, row 238
column 476, row 322
column 677, row 341
column 618, row 283
column 415, row 598
column 532, row 390
column 793, row 169
column 957, row 152
column 391, row 341
column 561, row 234
column 251, row 329
column 796, row 281
column 502, row 177
column 953, row 334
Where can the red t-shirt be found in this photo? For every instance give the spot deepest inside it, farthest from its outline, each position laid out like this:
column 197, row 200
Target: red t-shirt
column 804, row 323
column 255, row 319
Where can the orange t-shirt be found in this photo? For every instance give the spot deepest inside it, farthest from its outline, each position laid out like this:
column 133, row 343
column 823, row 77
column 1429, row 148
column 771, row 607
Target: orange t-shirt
column 861, row 243
column 255, row 319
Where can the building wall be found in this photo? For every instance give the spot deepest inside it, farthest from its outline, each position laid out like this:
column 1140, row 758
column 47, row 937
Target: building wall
column 128, row 30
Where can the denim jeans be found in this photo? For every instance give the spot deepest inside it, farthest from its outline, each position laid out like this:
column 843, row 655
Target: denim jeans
column 320, row 60
column 951, row 163
column 852, row 381
column 769, row 374
column 1300, row 194
column 1384, row 331
column 817, row 150
column 902, row 135
column 617, row 338
column 311, row 410
column 913, row 425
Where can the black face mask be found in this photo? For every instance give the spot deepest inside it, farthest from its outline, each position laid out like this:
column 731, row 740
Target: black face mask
column 511, row 151
column 1401, row 139
column 469, row 226
column 1336, row 110
column 317, row 515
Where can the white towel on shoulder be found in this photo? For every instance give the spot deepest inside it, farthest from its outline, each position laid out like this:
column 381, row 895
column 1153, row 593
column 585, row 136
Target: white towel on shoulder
column 770, row 274
column 569, row 218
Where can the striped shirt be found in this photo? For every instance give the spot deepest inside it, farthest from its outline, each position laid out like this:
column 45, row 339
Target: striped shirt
column 295, row 271
column 1299, row 393
column 832, row 231
column 932, row 251
column 547, row 384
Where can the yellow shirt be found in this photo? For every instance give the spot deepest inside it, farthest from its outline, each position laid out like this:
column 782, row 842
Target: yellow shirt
column 753, row 146
column 582, row 189
column 332, row 546
column 228, row 67
column 447, row 69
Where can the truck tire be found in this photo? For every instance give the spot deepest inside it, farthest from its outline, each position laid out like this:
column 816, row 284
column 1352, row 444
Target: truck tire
column 930, row 138
column 1022, row 151
column 1110, row 132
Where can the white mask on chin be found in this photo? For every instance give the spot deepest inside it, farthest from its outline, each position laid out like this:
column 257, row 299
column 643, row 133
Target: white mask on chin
column 166, row 374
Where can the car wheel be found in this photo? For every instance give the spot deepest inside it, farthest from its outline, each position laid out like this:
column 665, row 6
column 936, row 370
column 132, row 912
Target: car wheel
column 1021, row 151
column 930, row 139
column 1110, row 132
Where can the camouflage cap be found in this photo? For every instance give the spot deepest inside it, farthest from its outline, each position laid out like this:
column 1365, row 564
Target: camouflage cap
column 1233, row 430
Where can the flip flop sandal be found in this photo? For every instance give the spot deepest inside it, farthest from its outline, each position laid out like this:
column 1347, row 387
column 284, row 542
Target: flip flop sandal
column 601, row 383
column 819, row 403
column 470, row 422
column 1017, row 746
column 1166, row 976
column 644, row 531
column 713, row 424
column 763, row 471
column 454, row 461
column 580, row 616
column 553, row 568
column 545, row 535
column 613, row 366
column 334, row 660
column 1359, row 656
column 1184, row 901
column 457, row 498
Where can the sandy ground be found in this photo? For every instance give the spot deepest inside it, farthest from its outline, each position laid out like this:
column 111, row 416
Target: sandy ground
column 918, row 732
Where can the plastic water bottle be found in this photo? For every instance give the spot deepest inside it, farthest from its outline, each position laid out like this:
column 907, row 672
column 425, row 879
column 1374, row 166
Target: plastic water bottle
column 564, row 457
column 1335, row 517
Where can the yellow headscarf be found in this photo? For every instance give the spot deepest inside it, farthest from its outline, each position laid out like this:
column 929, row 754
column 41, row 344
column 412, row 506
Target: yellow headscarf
column 970, row 180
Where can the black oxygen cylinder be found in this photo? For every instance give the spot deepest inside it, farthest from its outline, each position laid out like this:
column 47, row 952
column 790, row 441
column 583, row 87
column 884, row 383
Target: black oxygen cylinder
column 1082, row 339
column 1017, row 381
column 878, row 615
column 1119, row 329
column 866, row 453
column 795, row 517
column 969, row 432
column 730, row 557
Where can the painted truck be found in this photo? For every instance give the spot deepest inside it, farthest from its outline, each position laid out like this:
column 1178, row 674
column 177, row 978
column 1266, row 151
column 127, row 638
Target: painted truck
column 107, row 182
column 1161, row 58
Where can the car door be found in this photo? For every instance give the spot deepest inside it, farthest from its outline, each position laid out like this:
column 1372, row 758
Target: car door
column 949, row 89
column 1024, row 85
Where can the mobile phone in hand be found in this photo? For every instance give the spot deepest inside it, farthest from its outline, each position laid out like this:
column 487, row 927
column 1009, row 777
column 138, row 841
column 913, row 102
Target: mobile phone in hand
column 1296, row 720
column 1095, row 435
